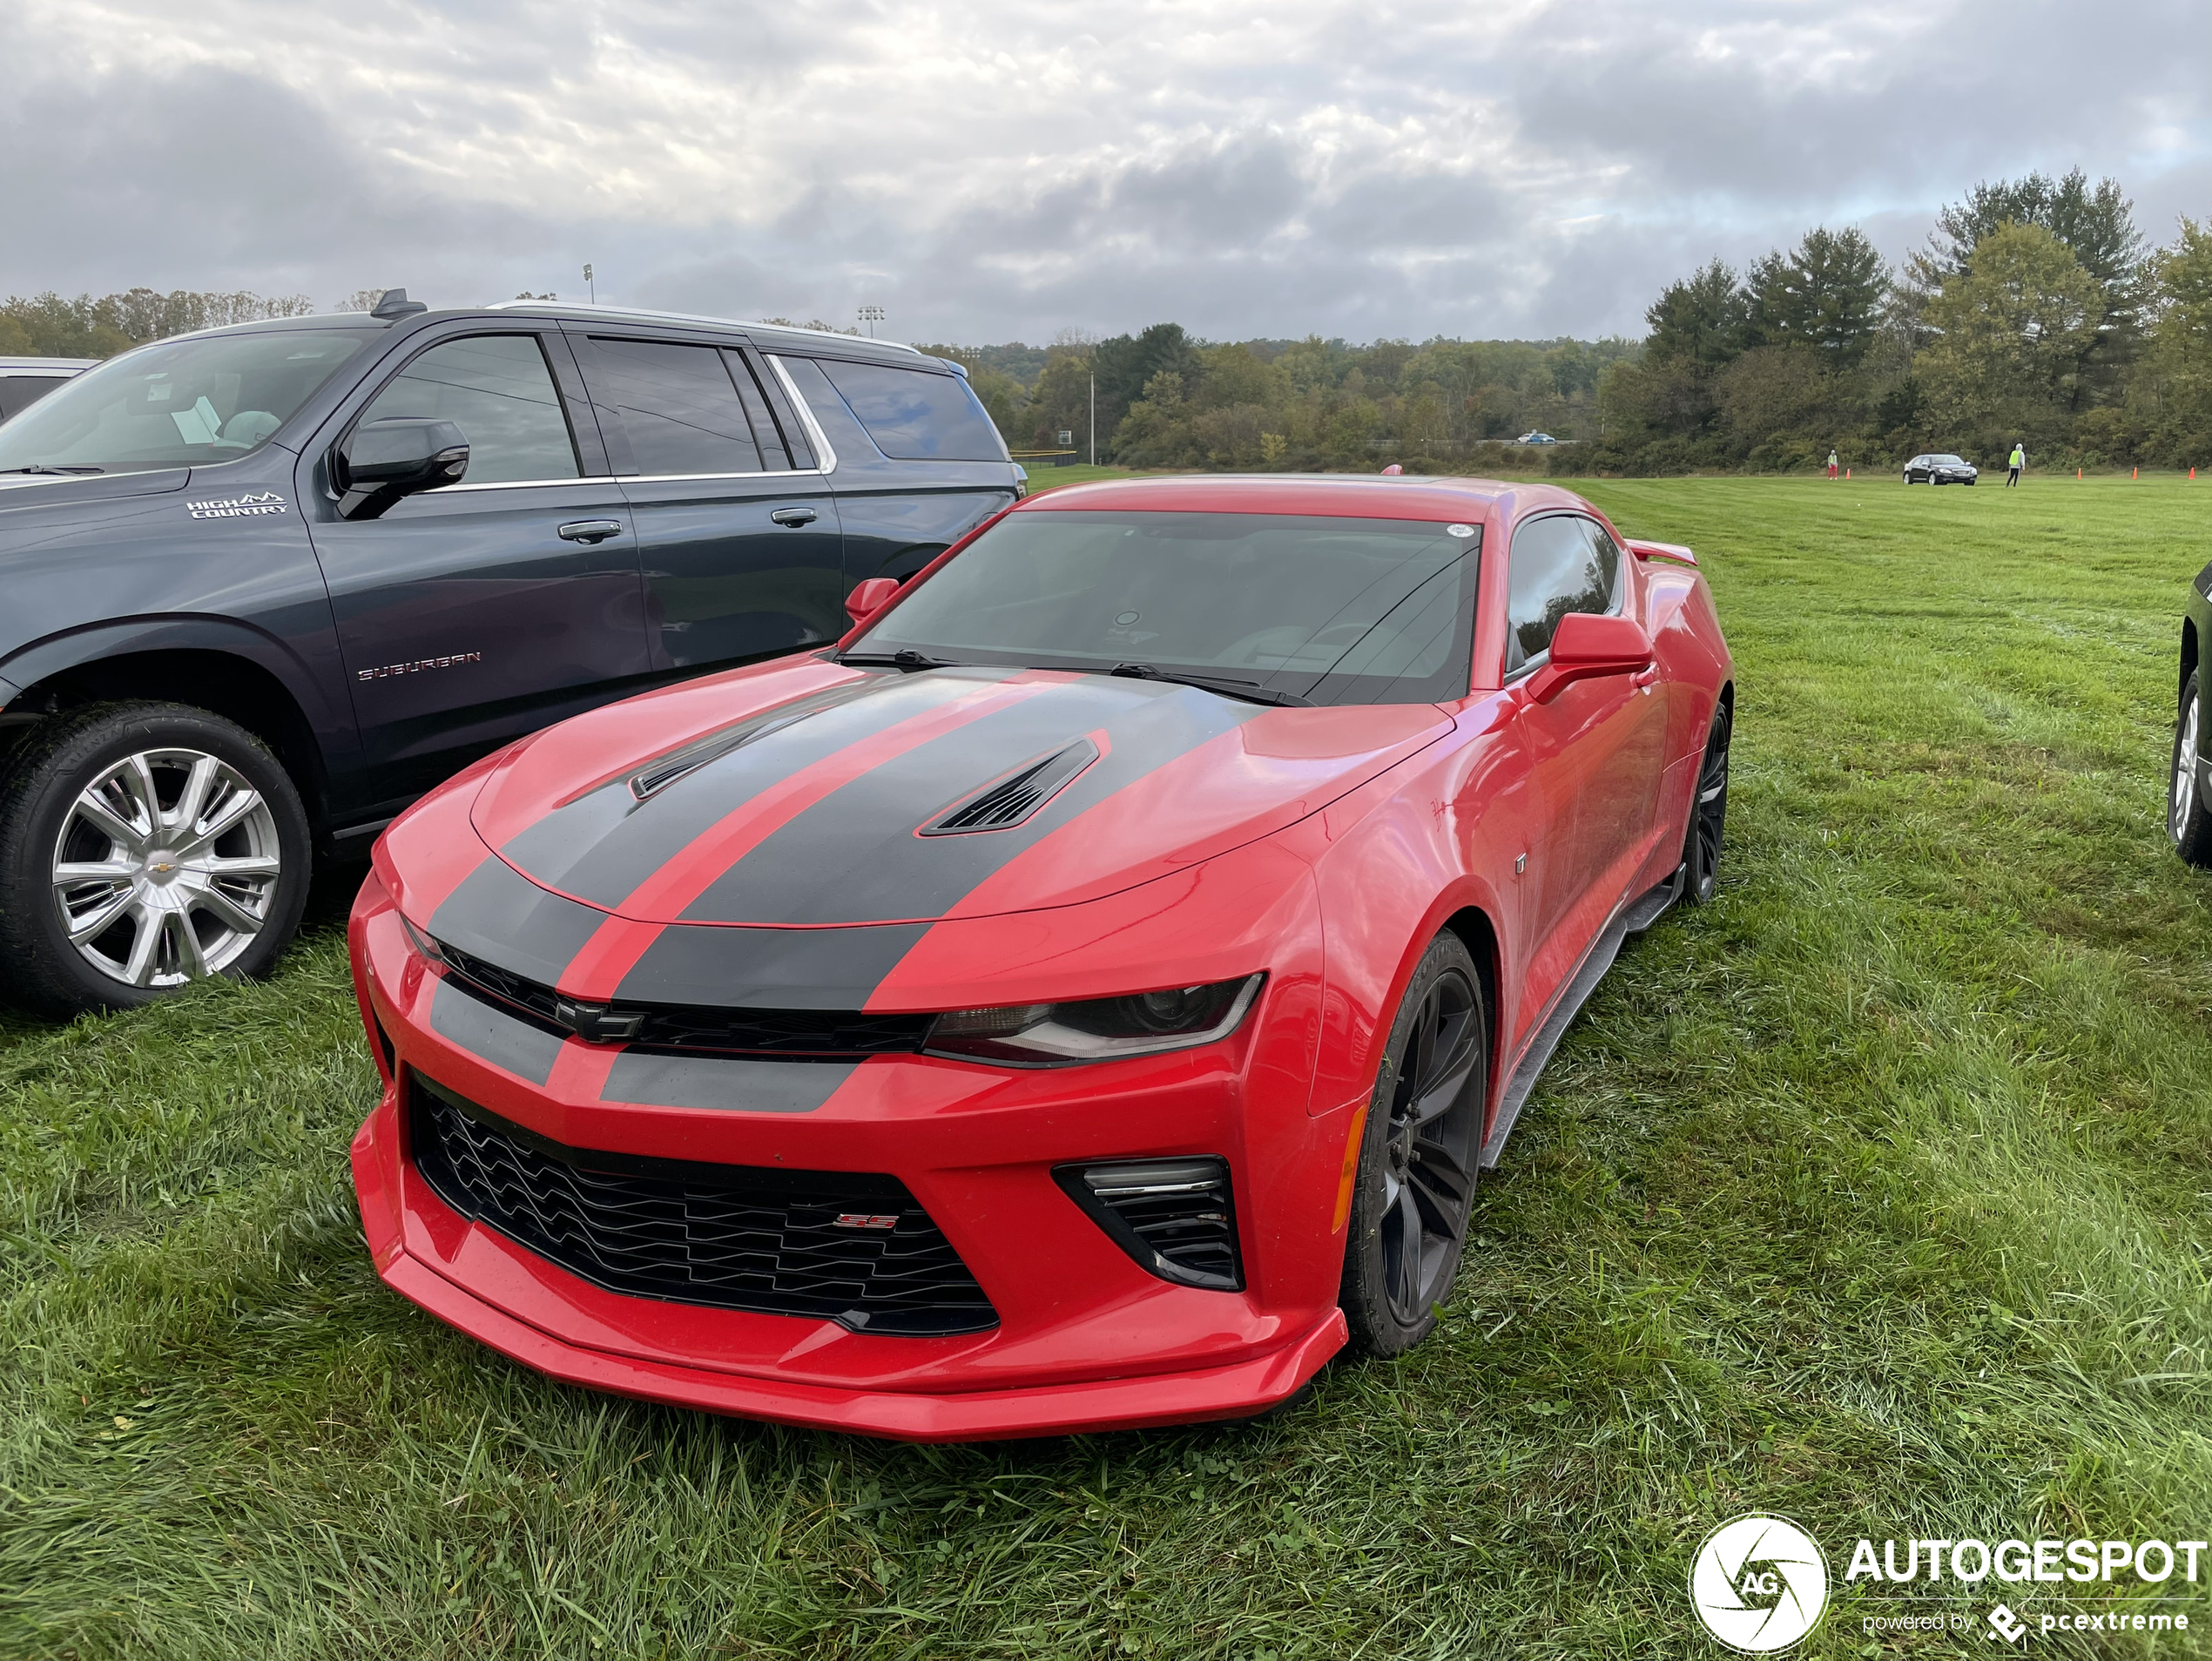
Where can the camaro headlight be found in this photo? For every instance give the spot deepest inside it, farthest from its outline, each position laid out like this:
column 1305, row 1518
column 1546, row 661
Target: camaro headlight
column 1049, row 1034
column 423, row 944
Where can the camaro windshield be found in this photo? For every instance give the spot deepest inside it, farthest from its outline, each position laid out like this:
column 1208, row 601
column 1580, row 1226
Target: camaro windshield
column 178, row 403
column 1326, row 610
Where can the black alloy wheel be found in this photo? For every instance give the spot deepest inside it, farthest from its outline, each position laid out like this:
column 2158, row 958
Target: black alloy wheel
column 1419, row 1155
column 2188, row 826
column 1709, row 812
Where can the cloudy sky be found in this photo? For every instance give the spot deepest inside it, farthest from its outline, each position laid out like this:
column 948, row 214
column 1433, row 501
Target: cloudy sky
column 996, row 170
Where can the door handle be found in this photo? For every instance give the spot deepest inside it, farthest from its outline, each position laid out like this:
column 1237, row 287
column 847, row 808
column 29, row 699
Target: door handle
column 589, row 529
column 1645, row 676
column 794, row 517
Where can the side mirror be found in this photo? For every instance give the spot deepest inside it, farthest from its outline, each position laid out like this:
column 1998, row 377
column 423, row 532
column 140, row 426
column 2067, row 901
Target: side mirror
column 382, row 460
column 1586, row 645
column 869, row 597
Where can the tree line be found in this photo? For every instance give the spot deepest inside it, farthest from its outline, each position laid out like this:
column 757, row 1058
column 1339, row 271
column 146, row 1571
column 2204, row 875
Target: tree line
column 1165, row 398
column 2037, row 313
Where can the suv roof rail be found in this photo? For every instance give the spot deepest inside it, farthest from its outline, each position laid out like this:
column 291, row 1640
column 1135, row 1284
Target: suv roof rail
column 566, row 307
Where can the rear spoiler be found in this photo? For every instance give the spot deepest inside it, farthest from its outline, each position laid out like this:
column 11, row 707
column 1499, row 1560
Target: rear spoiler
column 1673, row 552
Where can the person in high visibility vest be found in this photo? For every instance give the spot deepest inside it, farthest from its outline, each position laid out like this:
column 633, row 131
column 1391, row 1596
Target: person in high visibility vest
column 2013, row 467
column 1832, row 464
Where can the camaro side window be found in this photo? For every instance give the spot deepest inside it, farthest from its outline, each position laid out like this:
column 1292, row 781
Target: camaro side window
column 1562, row 563
column 497, row 389
column 678, row 406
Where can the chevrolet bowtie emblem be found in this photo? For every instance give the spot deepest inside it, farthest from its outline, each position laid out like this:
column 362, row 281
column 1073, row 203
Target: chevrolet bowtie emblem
column 595, row 1023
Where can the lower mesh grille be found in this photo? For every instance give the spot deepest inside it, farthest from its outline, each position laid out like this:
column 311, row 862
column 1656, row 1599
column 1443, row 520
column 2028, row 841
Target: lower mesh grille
column 848, row 1246
column 1175, row 1217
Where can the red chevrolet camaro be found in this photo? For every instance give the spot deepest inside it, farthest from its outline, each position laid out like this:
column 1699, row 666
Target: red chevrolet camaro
column 1083, row 998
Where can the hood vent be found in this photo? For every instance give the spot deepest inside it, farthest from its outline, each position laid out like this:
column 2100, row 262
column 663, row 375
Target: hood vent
column 1016, row 798
column 656, row 775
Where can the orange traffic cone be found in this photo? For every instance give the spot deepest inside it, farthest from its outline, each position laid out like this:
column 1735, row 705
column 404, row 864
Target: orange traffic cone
column 1847, row 476
column 2133, row 471
column 2077, row 472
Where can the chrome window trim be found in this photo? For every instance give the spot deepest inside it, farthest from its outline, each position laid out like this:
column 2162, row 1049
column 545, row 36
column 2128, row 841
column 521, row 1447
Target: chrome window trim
column 522, row 484
column 679, row 478
column 824, row 455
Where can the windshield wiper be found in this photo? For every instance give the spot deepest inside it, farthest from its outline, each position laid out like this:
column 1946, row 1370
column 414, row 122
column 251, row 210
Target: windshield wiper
column 905, row 658
column 1249, row 690
column 38, row 467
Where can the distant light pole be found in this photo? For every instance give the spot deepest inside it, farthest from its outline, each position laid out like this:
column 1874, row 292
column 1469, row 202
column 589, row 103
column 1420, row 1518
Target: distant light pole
column 871, row 315
column 1094, row 419
column 591, row 287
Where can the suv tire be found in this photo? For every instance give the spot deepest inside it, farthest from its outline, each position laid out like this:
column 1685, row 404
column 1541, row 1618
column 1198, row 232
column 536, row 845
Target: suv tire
column 190, row 846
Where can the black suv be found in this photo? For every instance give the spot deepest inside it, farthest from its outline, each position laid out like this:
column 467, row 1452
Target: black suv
column 264, row 585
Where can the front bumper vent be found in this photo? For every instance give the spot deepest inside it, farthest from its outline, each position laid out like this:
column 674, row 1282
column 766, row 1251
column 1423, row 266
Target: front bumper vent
column 1176, row 1218
column 849, row 1246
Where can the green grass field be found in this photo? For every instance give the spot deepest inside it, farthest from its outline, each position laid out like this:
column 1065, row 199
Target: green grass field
column 1875, row 1194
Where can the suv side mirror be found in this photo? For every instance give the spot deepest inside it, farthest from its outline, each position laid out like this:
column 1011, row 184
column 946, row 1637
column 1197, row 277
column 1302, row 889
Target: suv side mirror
column 869, row 597
column 1586, row 645
column 382, row 460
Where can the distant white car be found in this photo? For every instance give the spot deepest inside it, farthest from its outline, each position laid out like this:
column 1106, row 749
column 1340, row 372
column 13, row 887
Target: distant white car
column 1535, row 438
column 24, row 381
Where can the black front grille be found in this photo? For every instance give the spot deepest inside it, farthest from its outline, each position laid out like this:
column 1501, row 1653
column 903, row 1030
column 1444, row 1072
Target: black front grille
column 815, row 1033
column 849, row 1246
column 526, row 996
column 1177, row 1217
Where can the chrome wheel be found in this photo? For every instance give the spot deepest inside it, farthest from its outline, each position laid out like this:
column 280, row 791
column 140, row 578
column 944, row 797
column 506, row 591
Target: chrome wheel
column 165, row 868
column 1428, row 1147
column 2184, row 800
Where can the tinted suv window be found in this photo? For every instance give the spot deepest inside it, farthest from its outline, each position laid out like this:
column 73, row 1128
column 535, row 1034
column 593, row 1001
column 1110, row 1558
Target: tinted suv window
column 497, row 389
column 1562, row 563
column 677, row 405
column 916, row 416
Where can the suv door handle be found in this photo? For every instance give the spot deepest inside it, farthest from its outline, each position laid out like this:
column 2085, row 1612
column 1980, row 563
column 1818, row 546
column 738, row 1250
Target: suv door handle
column 794, row 515
column 589, row 529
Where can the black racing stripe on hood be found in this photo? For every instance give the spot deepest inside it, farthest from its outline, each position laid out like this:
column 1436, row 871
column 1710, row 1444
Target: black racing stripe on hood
column 735, row 1084
column 604, row 844
column 854, row 856
column 492, row 1035
column 501, row 916
column 768, row 969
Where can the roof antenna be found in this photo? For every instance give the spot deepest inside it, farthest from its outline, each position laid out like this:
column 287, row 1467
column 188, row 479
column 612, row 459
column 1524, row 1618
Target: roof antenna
column 395, row 303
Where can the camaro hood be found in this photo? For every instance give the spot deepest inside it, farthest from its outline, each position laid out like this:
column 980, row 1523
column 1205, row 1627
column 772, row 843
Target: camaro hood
column 813, row 794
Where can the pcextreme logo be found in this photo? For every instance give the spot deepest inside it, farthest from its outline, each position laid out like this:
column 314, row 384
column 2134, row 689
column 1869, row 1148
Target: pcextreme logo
column 1759, row 1584
column 250, row 506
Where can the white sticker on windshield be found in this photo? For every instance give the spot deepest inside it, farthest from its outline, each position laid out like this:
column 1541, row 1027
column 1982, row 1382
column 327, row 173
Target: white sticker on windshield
column 198, row 425
column 1458, row 531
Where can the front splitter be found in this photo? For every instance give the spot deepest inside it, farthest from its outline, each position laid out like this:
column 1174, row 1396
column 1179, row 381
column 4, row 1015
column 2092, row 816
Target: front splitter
column 1238, row 1390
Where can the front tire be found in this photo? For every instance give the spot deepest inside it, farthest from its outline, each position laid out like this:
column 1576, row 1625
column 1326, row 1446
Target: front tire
column 1419, row 1150
column 142, row 847
column 2188, row 826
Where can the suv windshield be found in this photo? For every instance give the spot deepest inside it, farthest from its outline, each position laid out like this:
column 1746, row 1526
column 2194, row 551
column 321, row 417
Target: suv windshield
column 1326, row 610
column 178, row 403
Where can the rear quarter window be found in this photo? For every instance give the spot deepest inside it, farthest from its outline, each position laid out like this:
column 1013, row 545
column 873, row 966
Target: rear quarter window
column 915, row 415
